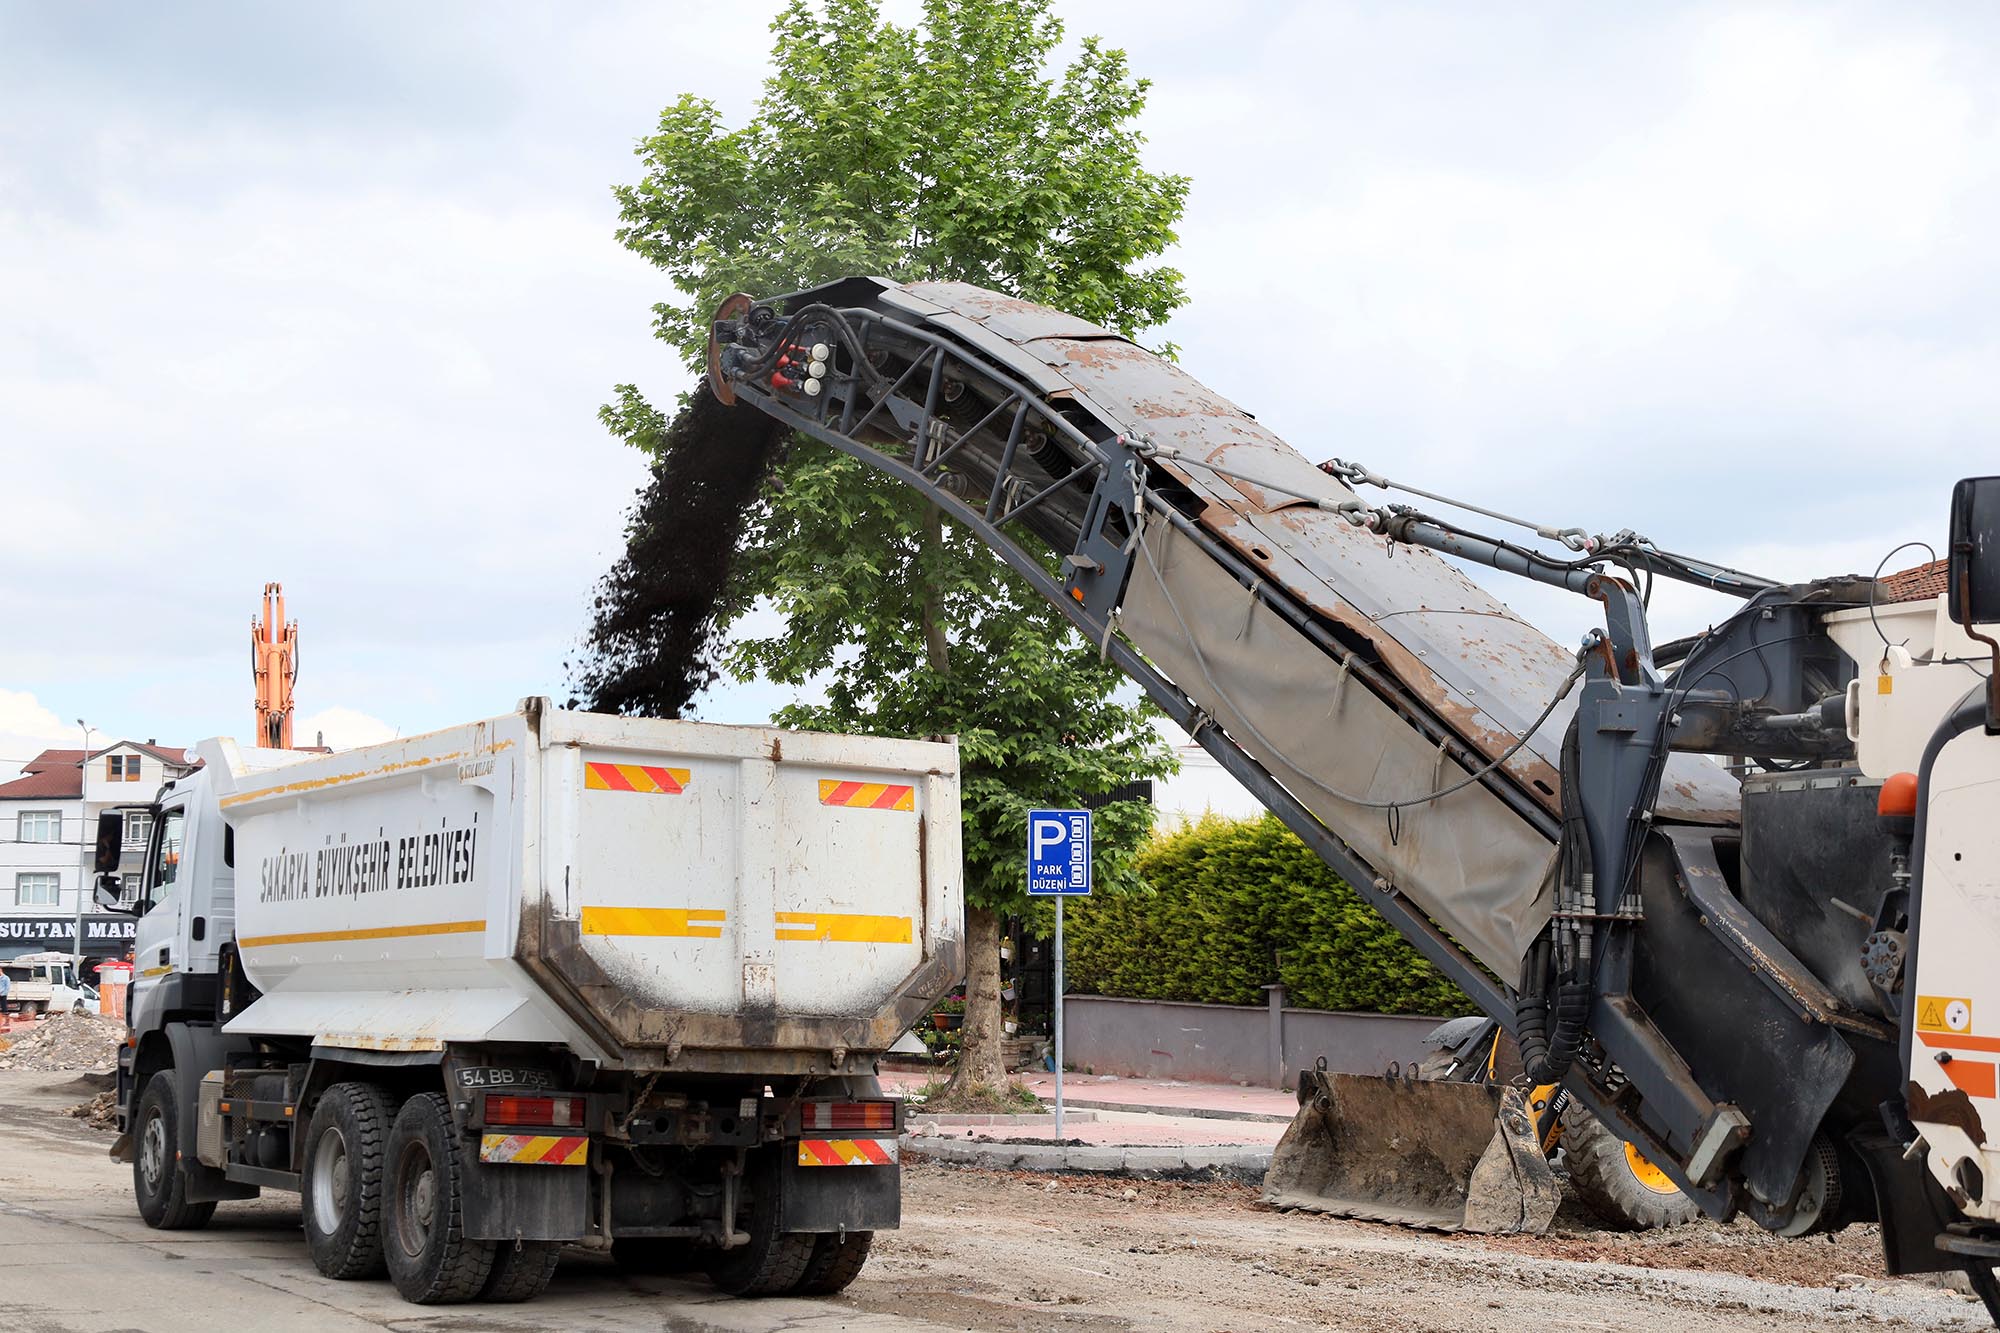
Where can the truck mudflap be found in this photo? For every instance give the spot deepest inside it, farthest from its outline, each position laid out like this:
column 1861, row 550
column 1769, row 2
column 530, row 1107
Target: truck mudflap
column 509, row 1201
column 814, row 1198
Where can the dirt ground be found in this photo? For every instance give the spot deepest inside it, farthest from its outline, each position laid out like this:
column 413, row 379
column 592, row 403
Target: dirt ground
column 1006, row 1251
column 996, row 1252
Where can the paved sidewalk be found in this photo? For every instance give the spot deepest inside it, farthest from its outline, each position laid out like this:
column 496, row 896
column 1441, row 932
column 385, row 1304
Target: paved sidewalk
column 1132, row 1127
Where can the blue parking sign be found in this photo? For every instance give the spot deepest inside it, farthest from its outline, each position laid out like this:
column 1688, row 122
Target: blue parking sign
column 1059, row 853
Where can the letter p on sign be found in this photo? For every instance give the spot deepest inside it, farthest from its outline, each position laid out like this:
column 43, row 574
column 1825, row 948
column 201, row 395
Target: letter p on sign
column 1059, row 853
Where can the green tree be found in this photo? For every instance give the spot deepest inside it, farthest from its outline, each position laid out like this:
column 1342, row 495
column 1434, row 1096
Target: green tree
column 947, row 150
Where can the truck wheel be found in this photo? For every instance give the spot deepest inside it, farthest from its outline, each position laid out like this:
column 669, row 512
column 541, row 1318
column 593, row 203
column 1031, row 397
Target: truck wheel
column 430, row 1258
column 521, row 1271
column 158, row 1179
column 1615, row 1181
column 836, row 1261
column 772, row 1262
column 342, row 1184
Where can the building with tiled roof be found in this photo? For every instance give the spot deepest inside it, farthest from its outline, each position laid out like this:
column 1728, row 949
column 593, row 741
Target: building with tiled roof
column 48, row 830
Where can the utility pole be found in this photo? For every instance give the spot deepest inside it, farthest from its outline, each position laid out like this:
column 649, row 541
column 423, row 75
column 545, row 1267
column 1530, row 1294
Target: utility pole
column 84, row 846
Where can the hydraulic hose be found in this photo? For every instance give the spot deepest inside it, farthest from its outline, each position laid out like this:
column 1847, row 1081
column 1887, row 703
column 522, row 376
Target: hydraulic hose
column 1556, row 991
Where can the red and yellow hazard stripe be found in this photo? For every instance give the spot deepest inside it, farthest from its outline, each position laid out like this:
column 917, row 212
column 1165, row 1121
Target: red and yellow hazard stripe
column 534, row 1149
column 847, row 1152
column 867, row 795
column 647, row 779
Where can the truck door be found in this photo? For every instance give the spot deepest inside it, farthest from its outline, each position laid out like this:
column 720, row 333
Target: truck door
column 156, row 951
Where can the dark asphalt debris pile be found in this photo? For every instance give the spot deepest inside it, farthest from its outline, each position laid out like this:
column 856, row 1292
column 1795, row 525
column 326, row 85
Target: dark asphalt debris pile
column 653, row 638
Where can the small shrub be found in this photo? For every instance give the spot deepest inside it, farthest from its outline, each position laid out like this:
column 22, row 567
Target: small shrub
column 1231, row 906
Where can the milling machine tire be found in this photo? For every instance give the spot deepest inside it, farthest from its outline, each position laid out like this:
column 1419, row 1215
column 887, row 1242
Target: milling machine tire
column 1616, row 1182
column 431, row 1259
column 158, row 1181
column 341, row 1186
column 836, row 1261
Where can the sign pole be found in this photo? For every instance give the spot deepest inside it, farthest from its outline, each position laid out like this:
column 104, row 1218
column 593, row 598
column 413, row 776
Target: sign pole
column 1059, row 1019
column 1059, row 863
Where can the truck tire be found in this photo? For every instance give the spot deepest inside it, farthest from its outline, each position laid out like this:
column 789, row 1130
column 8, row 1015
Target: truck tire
column 771, row 1262
column 836, row 1261
column 431, row 1259
column 341, row 1188
column 521, row 1271
column 1615, row 1181
column 158, row 1180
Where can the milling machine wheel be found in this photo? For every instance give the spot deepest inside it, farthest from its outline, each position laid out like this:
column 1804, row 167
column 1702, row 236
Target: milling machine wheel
column 1614, row 1179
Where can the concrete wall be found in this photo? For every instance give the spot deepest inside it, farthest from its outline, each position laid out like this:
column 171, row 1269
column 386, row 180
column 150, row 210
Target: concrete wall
column 1228, row 1043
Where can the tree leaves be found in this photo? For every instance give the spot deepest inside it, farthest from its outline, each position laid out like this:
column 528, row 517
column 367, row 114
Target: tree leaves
column 945, row 150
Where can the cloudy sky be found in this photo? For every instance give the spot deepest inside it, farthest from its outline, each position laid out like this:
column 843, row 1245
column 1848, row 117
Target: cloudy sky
column 329, row 295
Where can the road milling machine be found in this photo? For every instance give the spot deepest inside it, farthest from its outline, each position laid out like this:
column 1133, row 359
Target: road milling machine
column 1734, row 893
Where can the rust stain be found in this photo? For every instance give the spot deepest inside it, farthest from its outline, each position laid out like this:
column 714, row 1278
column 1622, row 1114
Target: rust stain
column 1953, row 1108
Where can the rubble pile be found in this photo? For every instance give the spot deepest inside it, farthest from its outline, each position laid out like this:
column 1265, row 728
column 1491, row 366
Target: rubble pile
column 100, row 1112
column 66, row 1041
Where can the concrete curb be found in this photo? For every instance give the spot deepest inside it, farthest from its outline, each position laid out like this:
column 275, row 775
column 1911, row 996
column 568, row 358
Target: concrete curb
column 1032, row 1120
column 1187, row 1112
column 1201, row 1162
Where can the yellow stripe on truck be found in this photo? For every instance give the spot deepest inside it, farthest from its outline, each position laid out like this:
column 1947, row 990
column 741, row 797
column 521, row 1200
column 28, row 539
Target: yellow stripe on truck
column 845, row 927
column 702, row 923
column 374, row 933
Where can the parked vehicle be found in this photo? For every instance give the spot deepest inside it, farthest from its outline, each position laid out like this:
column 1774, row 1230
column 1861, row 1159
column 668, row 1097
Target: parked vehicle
column 544, row 979
column 46, row 983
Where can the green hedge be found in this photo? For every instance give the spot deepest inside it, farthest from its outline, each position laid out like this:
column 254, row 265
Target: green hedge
column 1233, row 905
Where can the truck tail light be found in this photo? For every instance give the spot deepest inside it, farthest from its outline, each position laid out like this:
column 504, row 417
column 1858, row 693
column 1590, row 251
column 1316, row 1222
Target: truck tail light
column 848, row 1115
column 553, row 1112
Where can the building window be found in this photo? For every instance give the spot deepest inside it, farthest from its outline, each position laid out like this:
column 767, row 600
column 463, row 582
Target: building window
column 138, row 827
column 122, row 768
column 37, row 890
column 40, row 826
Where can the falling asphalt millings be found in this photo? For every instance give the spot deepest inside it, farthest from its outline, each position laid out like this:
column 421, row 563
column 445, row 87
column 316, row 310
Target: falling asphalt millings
column 654, row 636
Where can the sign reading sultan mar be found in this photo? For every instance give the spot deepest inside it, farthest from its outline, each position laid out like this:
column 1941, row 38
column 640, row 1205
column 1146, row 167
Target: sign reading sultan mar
column 1059, row 853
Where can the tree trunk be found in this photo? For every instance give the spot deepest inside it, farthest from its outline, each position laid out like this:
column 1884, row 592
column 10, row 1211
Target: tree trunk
column 937, row 648
column 982, row 1059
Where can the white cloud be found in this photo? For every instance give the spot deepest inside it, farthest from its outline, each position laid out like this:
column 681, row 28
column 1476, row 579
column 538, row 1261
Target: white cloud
column 342, row 729
column 330, row 296
column 27, row 728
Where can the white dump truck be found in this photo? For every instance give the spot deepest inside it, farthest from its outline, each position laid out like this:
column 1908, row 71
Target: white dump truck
column 545, row 979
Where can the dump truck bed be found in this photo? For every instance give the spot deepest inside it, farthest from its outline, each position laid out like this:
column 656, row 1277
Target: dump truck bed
column 656, row 894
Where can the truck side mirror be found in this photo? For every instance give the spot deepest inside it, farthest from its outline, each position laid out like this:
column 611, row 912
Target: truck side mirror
column 110, row 841
column 1972, row 593
column 108, row 893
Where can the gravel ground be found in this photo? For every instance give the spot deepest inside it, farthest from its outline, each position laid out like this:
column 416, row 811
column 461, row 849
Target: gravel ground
column 1004, row 1251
